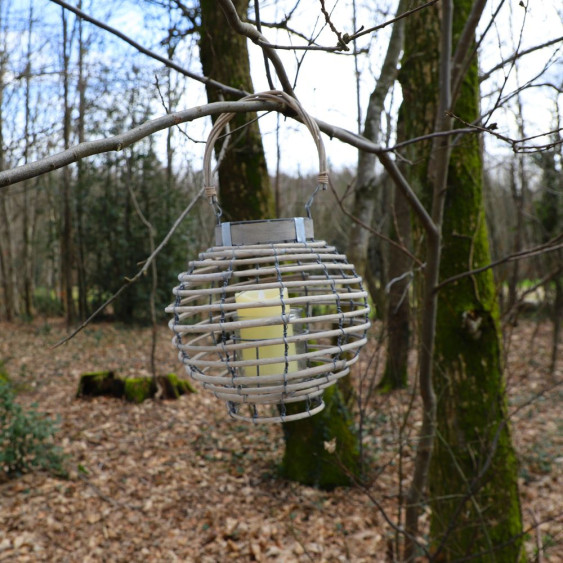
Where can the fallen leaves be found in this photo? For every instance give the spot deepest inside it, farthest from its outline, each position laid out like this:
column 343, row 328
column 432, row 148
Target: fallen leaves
column 180, row 481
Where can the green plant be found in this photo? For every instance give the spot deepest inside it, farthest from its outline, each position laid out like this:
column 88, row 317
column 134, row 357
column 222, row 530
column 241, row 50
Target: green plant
column 26, row 438
column 47, row 303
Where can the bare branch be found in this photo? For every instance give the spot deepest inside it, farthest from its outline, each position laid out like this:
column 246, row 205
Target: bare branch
column 518, row 55
column 119, row 142
column 256, row 37
column 342, row 39
column 373, row 231
column 347, row 38
column 514, row 143
column 550, row 246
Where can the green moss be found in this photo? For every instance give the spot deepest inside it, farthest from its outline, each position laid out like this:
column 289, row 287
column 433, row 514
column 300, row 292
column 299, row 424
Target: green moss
column 308, row 459
column 139, row 389
column 473, row 475
column 174, row 387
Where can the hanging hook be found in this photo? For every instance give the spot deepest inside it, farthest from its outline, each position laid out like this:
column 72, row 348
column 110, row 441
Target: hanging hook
column 211, row 194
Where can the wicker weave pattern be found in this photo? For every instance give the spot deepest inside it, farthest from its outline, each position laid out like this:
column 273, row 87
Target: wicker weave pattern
column 310, row 351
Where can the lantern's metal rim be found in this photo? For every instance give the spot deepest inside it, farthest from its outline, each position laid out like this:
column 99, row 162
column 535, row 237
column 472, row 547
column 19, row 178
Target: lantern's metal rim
column 265, row 231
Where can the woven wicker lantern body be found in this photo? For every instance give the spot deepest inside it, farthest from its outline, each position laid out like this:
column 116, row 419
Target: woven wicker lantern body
column 269, row 316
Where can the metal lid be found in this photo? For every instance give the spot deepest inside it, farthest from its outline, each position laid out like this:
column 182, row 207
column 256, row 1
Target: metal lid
column 296, row 229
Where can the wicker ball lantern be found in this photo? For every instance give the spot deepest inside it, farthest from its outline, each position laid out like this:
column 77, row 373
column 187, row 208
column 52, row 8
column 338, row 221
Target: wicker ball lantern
column 269, row 316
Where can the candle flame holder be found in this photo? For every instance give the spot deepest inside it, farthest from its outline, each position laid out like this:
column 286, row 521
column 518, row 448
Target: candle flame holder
column 234, row 320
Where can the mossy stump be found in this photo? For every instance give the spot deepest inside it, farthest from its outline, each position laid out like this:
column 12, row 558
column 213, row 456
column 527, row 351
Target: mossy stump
column 132, row 389
column 100, row 383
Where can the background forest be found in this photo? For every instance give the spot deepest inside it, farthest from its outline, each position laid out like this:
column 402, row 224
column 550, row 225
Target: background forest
column 445, row 148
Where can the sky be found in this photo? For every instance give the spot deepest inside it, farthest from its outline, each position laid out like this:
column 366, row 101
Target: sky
column 326, row 83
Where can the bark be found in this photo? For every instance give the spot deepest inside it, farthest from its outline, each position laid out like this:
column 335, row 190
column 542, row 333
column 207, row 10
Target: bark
column 366, row 183
column 244, row 184
column 556, row 320
column 66, row 231
column 81, row 181
column 6, row 256
column 473, row 478
column 322, row 451
column 473, row 472
column 27, row 210
column 7, row 263
column 398, row 315
column 245, row 194
column 366, row 209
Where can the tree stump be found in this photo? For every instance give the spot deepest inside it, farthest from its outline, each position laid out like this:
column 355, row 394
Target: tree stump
column 132, row 389
column 100, row 383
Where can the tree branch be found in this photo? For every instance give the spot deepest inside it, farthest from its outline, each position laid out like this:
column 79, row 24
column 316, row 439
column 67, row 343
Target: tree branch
column 123, row 140
column 550, row 246
column 256, row 37
column 519, row 54
column 347, row 38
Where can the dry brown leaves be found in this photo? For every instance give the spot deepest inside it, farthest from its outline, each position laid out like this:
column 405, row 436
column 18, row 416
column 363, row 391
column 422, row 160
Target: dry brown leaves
column 180, row 481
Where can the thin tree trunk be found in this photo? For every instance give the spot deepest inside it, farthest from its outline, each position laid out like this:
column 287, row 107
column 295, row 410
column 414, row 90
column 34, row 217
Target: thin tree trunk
column 27, row 223
column 398, row 315
column 365, row 194
column 66, row 234
column 557, row 314
column 6, row 255
column 81, row 181
column 365, row 209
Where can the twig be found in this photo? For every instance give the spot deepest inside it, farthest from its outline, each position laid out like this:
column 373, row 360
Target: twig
column 373, row 231
column 513, row 142
column 549, row 246
column 130, row 281
column 347, row 38
column 107, row 498
column 519, row 54
column 341, row 38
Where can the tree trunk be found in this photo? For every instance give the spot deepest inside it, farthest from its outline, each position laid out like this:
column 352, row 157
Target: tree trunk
column 473, row 476
column 6, row 255
column 473, row 472
column 398, row 315
column 244, row 184
column 366, row 209
column 322, row 451
column 245, row 194
column 66, row 232
column 81, row 181
column 27, row 222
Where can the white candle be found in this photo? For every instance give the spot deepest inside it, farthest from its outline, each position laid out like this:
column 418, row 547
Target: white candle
column 261, row 334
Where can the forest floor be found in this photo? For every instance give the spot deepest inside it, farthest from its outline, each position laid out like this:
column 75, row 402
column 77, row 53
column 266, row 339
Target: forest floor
column 181, row 481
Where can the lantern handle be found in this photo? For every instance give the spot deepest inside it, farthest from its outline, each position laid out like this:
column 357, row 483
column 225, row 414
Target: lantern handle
column 222, row 121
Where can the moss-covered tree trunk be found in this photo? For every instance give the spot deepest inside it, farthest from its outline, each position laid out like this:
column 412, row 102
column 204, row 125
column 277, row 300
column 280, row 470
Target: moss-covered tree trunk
column 322, row 451
column 245, row 194
column 473, row 475
column 244, row 184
